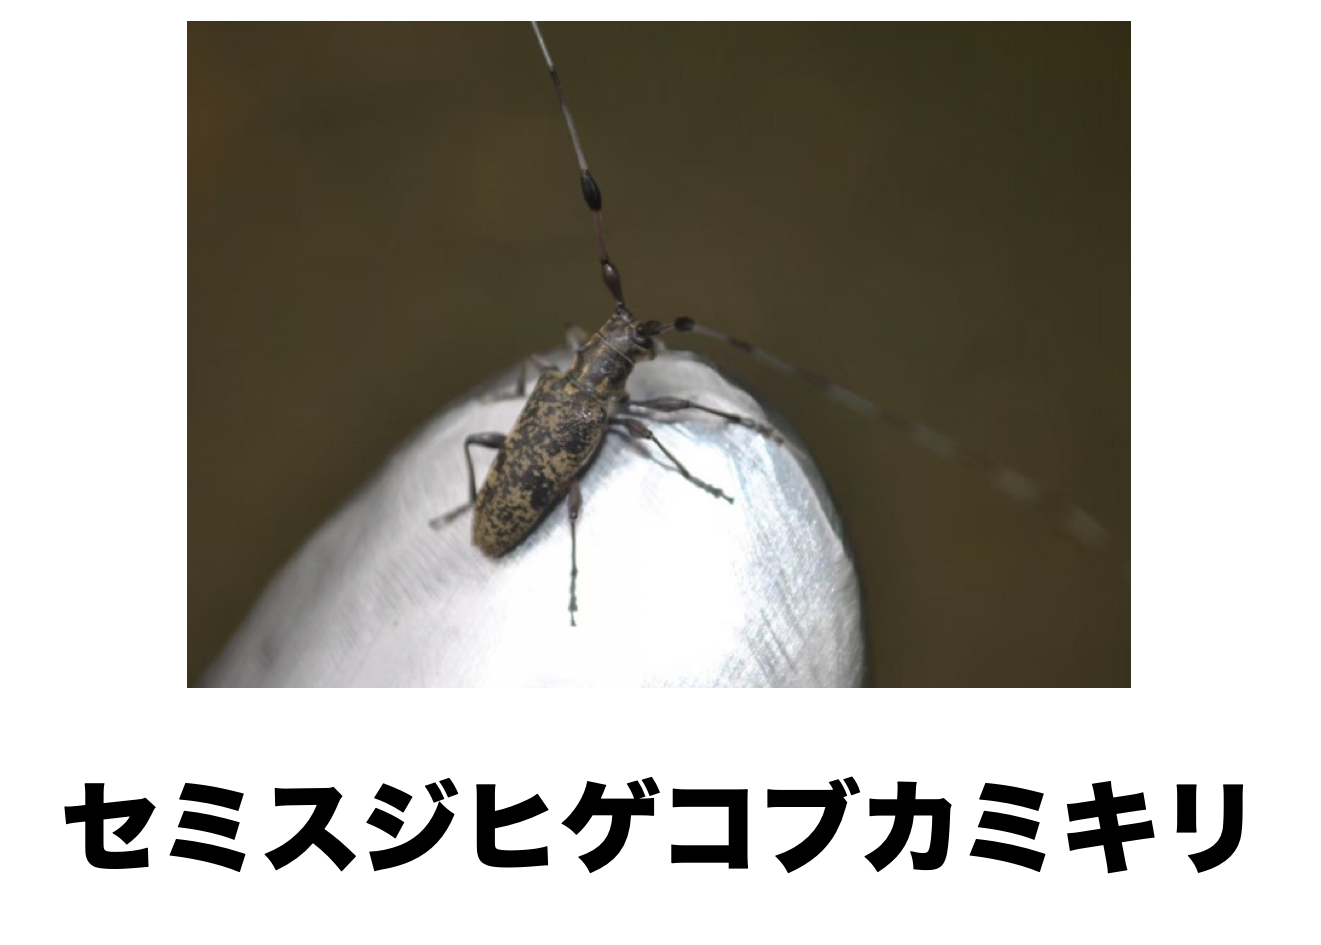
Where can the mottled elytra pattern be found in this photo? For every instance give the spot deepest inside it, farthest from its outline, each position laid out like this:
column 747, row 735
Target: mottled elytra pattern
column 557, row 433
column 555, row 436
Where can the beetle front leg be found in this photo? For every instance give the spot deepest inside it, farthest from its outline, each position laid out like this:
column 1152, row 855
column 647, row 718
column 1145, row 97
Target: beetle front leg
column 520, row 385
column 574, row 336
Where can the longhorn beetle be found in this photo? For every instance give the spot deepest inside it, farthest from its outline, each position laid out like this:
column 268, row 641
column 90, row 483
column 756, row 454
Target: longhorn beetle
column 567, row 414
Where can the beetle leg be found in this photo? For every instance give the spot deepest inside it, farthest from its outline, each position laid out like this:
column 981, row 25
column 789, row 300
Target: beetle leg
column 574, row 336
column 542, row 367
column 575, row 507
column 491, row 440
column 671, row 404
column 639, row 430
column 520, row 386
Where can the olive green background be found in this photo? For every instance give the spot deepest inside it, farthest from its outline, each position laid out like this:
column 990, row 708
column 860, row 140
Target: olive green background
column 936, row 216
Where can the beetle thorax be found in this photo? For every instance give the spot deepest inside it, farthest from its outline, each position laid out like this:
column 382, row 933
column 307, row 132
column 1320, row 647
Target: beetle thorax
column 603, row 364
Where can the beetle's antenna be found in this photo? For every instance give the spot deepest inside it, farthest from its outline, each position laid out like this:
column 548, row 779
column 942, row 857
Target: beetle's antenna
column 591, row 191
column 1066, row 515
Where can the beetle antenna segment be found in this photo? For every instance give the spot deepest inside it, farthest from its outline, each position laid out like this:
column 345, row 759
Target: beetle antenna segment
column 1067, row 516
column 591, row 190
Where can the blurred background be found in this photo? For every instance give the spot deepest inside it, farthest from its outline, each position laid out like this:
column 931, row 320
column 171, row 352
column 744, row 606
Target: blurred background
column 935, row 216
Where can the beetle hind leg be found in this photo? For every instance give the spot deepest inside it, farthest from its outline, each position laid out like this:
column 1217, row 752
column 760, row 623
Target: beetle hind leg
column 490, row 441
